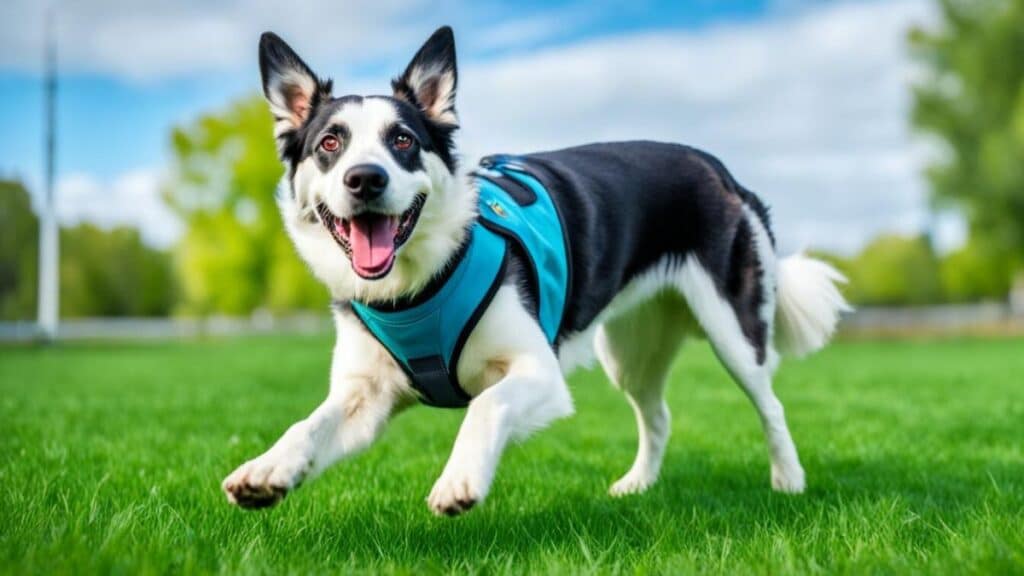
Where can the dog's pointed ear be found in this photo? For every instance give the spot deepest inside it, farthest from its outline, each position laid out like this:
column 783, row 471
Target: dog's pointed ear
column 289, row 85
column 430, row 79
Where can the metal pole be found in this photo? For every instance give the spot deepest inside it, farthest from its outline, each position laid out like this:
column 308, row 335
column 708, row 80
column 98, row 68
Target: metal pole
column 48, row 232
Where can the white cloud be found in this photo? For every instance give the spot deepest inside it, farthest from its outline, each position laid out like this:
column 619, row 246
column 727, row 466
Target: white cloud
column 810, row 111
column 131, row 199
column 156, row 39
column 166, row 38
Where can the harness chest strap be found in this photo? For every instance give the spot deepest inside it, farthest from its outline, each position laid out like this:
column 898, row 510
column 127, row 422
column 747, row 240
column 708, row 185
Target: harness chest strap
column 426, row 339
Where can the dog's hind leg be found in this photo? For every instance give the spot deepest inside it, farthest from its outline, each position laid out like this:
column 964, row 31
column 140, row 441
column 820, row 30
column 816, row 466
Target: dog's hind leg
column 787, row 475
column 750, row 361
column 636, row 348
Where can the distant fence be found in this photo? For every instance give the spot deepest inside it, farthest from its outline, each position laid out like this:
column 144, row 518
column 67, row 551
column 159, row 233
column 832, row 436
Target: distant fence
column 986, row 318
column 170, row 328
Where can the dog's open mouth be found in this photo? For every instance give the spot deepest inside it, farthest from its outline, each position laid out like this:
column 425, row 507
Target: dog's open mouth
column 370, row 240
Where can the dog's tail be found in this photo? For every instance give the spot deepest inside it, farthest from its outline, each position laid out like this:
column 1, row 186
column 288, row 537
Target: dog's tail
column 809, row 304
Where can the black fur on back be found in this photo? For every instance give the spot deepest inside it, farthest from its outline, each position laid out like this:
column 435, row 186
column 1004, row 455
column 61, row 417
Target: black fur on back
column 628, row 205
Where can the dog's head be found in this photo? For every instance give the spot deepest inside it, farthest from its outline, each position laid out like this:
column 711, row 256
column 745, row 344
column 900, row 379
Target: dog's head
column 371, row 198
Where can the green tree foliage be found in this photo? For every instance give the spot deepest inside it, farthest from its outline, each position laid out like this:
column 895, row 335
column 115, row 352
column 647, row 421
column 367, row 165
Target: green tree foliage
column 102, row 272
column 975, row 273
column 113, row 273
column 19, row 241
column 235, row 256
column 893, row 270
column 972, row 99
column 904, row 270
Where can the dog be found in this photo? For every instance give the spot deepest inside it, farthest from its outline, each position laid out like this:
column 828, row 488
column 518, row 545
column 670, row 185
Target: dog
column 658, row 242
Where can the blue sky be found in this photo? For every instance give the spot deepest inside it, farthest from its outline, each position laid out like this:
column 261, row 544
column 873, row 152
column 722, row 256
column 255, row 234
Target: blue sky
column 766, row 85
column 125, row 120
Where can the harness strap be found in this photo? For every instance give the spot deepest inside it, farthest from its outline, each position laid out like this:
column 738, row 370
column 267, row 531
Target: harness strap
column 426, row 337
column 427, row 340
column 535, row 225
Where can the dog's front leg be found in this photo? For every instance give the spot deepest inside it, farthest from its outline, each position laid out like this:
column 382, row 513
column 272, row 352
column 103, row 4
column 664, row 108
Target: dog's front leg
column 367, row 387
column 530, row 395
column 344, row 424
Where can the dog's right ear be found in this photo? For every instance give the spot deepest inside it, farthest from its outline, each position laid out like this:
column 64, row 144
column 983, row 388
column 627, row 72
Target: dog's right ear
column 289, row 85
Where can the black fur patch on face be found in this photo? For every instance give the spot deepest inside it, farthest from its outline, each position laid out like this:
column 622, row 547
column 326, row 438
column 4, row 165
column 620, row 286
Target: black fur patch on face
column 325, row 159
column 305, row 141
column 431, row 136
column 427, row 136
column 409, row 158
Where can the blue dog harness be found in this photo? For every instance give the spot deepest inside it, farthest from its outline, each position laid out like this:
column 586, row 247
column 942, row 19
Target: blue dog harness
column 427, row 337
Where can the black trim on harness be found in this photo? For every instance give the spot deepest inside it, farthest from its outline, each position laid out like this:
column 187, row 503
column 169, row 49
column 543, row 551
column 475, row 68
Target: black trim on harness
column 434, row 383
column 424, row 395
column 426, row 364
column 516, row 190
column 511, row 237
column 499, row 279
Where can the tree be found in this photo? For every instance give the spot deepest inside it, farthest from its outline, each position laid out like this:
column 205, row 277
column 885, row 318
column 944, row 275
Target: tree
column 19, row 241
column 972, row 273
column 235, row 256
column 894, row 270
column 113, row 273
column 972, row 100
column 102, row 272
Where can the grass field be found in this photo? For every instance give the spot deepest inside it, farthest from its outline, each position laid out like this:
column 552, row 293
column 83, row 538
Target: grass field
column 111, row 456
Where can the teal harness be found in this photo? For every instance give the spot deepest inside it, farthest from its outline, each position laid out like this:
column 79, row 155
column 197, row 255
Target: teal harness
column 427, row 338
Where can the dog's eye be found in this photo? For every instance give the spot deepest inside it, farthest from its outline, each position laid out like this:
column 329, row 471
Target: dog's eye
column 330, row 144
column 403, row 141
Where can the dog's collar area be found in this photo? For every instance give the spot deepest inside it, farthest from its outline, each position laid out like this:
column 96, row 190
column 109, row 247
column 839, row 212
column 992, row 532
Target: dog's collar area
column 432, row 287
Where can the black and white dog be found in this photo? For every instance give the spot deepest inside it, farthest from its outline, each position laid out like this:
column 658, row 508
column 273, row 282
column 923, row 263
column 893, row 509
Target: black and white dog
column 663, row 243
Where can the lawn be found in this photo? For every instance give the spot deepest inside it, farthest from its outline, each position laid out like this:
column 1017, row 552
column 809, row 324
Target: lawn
column 111, row 457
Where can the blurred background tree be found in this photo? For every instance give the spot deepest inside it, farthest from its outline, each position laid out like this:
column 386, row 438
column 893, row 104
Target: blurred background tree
column 235, row 256
column 113, row 273
column 892, row 270
column 972, row 101
column 102, row 272
column 975, row 272
column 19, row 242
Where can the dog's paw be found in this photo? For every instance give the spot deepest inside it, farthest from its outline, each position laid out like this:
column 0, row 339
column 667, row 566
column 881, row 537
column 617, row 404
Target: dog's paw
column 454, row 494
column 632, row 483
column 788, row 478
column 265, row 480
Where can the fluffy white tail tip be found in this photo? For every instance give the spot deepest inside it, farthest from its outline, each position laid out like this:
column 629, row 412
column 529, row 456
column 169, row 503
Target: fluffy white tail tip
column 809, row 304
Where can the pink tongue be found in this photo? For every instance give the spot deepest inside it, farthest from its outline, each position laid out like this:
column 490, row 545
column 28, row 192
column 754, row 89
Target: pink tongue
column 372, row 239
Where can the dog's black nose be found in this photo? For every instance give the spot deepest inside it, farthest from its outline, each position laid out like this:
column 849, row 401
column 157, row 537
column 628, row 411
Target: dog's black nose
column 366, row 181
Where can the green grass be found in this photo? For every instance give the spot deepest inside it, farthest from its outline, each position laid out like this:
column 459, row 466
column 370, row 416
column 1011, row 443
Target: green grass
column 111, row 457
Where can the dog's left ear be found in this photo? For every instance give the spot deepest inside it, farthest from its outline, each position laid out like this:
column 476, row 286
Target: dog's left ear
column 429, row 81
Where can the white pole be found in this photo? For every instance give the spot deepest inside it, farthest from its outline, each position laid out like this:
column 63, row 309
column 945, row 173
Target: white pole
column 49, row 245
